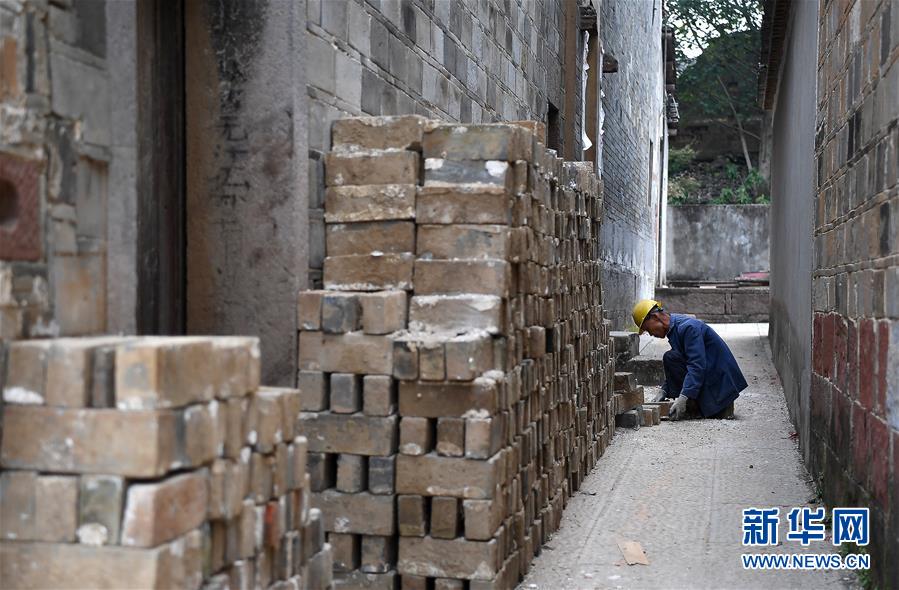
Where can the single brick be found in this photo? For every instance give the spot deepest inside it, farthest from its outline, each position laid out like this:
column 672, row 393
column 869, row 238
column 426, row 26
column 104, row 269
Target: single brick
column 447, row 476
column 346, row 393
column 482, row 518
column 398, row 132
column 309, row 309
column 349, row 433
column 468, row 356
column 412, row 515
column 366, row 237
column 371, row 167
column 378, row 395
column 442, row 172
column 164, row 372
column 313, row 386
column 444, row 558
column 355, row 352
column 360, row 513
column 445, row 517
column 369, row 272
column 483, row 437
column 463, row 203
column 381, row 474
column 463, row 241
column 341, row 313
column 159, row 512
column 477, row 142
column 448, row 399
column 377, row 202
column 456, row 313
column 416, row 435
column 56, row 508
column 431, row 360
column 384, row 312
column 138, row 443
column 405, row 358
column 17, row 510
column 378, row 554
column 346, row 549
column 100, row 502
column 450, row 437
column 352, row 473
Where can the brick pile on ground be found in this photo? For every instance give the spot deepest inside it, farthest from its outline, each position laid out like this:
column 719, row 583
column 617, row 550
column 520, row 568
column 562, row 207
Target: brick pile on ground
column 456, row 371
column 629, row 406
column 153, row 463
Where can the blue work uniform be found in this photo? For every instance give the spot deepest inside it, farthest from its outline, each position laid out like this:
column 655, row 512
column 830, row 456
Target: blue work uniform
column 701, row 366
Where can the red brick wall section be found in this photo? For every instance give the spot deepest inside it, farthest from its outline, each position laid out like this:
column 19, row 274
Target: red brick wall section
column 855, row 343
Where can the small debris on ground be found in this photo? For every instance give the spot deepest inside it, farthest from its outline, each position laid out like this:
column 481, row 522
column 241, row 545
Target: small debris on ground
column 633, row 552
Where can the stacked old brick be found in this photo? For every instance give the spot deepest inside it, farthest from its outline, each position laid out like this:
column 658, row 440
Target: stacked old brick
column 153, row 463
column 456, row 370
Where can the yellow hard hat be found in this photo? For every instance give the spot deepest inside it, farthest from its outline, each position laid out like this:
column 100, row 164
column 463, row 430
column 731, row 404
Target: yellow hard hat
column 642, row 309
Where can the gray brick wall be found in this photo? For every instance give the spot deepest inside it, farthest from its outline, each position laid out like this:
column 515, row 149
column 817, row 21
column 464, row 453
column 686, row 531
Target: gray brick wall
column 475, row 61
column 630, row 30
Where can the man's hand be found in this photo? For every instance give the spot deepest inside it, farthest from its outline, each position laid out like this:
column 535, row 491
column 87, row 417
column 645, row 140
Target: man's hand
column 678, row 409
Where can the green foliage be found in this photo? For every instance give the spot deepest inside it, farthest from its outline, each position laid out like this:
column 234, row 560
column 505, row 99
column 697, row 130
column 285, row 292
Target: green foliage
column 731, row 60
column 697, row 22
column 680, row 159
column 718, row 52
column 681, row 189
column 865, row 577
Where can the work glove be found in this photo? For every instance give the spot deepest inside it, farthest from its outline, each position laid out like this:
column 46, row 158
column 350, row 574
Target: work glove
column 678, row 409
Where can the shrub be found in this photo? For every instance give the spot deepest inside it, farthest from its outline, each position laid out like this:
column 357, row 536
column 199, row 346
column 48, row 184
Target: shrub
column 680, row 159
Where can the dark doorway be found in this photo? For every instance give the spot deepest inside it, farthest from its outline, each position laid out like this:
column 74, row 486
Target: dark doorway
column 160, row 167
column 553, row 129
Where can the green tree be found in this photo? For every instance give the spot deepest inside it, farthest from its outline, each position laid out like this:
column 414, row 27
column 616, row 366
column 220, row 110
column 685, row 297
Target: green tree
column 718, row 47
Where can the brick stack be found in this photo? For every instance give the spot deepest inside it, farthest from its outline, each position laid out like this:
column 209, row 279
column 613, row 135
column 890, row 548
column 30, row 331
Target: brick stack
column 153, row 463
column 456, row 370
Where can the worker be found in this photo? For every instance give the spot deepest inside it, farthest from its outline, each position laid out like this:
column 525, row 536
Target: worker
column 701, row 373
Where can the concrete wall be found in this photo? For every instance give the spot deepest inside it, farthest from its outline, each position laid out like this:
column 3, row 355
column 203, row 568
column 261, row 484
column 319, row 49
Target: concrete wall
column 454, row 60
column 634, row 120
column 54, row 168
column 716, row 242
column 792, row 184
column 852, row 437
column 247, row 173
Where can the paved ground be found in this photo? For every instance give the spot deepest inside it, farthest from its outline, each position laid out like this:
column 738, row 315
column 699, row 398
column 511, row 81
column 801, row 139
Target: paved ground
column 679, row 489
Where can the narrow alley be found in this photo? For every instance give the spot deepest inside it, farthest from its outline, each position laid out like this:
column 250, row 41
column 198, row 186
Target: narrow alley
column 680, row 490
column 422, row 294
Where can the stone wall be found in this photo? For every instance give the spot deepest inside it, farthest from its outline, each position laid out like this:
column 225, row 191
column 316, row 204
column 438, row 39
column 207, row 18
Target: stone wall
column 468, row 61
column 716, row 242
column 456, row 370
column 855, row 337
column 153, row 463
column 633, row 129
column 54, row 161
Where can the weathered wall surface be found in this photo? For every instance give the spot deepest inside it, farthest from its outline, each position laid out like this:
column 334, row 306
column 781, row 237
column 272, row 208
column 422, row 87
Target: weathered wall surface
column 54, row 160
column 461, row 61
column 855, row 345
column 792, row 184
column 716, row 242
column 634, row 129
column 246, row 173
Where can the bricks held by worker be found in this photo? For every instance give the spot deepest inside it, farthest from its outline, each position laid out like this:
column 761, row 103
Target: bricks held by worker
column 701, row 373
